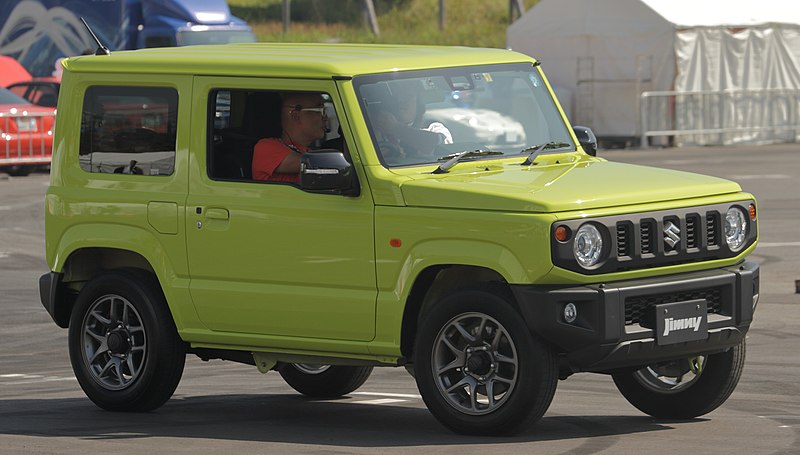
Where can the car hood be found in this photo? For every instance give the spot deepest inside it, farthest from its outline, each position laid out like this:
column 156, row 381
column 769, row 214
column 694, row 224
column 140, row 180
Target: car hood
column 583, row 184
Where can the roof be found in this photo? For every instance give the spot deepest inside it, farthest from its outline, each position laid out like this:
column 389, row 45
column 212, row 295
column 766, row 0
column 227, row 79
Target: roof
column 11, row 71
column 289, row 59
column 709, row 13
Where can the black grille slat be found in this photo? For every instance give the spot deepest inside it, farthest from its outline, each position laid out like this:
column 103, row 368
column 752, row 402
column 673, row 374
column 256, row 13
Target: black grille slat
column 647, row 235
column 712, row 229
column 623, row 239
column 637, row 308
column 691, row 231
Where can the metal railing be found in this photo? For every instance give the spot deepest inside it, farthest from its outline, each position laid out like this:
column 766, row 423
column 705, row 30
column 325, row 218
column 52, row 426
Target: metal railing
column 31, row 142
column 720, row 117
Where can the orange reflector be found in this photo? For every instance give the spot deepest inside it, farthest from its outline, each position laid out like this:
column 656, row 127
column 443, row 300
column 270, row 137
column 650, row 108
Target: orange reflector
column 752, row 212
column 395, row 243
column 562, row 233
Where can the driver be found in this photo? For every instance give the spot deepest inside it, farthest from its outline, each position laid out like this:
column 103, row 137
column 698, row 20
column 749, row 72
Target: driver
column 400, row 127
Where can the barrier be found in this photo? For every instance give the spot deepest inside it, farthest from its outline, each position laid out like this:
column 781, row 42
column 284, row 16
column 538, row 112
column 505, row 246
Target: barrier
column 720, row 117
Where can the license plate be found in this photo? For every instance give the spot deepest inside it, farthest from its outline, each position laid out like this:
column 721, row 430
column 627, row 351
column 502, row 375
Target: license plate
column 681, row 321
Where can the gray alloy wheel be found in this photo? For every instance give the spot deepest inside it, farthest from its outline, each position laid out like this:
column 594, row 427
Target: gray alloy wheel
column 123, row 344
column 114, row 342
column 672, row 377
column 475, row 363
column 685, row 388
column 311, row 369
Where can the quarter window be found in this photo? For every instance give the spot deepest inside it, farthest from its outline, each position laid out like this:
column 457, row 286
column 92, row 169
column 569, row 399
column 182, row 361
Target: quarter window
column 129, row 130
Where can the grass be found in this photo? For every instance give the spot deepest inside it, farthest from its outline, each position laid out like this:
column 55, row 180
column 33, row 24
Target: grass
column 479, row 23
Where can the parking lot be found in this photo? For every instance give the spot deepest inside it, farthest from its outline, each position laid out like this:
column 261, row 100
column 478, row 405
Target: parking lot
column 225, row 407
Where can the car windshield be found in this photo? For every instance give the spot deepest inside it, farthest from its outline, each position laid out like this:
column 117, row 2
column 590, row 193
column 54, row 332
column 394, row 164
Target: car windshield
column 423, row 117
column 6, row 97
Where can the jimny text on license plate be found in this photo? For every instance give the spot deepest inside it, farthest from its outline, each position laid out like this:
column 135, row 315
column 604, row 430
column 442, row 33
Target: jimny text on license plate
column 681, row 321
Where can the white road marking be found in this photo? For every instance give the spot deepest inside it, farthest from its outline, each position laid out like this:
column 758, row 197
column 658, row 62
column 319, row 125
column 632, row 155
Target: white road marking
column 395, row 395
column 26, row 378
column 38, row 381
column 381, row 401
column 777, row 244
column 760, row 177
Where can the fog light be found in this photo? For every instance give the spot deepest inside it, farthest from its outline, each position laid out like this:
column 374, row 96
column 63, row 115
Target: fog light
column 570, row 313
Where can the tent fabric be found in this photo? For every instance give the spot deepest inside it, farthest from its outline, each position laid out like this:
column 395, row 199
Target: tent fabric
column 606, row 52
column 716, row 13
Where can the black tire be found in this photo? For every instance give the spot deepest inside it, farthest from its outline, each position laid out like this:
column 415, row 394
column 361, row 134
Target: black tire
column 19, row 170
column 680, row 389
column 324, row 381
column 521, row 390
column 131, row 361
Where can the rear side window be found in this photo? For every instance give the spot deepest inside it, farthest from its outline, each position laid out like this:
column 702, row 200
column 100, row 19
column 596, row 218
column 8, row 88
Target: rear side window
column 129, row 130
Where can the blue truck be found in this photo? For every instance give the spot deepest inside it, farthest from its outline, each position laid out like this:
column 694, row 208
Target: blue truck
column 40, row 32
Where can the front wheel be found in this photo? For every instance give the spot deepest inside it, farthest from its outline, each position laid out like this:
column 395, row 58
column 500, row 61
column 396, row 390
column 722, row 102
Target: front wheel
column 123, row 345
column 685, row 388
column 478, row 367
column 324, row 381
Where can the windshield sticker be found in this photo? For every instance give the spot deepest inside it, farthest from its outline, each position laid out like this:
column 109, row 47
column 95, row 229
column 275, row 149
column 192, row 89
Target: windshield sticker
column 534, row 80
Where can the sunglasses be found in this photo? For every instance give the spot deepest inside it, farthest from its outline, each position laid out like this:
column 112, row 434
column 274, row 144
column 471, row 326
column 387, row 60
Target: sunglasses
column 299, row 108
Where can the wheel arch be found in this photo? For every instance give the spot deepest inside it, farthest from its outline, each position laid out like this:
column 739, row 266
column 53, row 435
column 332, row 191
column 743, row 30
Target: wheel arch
column 435, row 282
column 87, row 250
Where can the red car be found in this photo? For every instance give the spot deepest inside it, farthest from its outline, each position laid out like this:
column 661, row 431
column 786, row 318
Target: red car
column 26, row 134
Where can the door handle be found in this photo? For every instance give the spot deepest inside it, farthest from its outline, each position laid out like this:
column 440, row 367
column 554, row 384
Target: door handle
column 217, row 214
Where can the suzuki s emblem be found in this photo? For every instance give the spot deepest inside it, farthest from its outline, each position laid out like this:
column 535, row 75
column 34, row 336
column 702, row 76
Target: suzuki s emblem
column 672, row 234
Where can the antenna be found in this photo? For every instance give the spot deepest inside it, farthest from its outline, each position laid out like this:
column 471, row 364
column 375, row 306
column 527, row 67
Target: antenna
column 101, row 50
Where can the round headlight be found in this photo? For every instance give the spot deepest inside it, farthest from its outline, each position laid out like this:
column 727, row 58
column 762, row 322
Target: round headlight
column 735, row 228
column 588, row 246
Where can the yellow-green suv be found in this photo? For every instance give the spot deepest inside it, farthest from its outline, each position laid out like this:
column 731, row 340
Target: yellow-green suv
column 448, row 219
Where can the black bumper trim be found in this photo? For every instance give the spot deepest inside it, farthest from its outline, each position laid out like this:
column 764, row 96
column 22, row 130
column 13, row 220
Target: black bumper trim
column 599, row 340
column 49, row 286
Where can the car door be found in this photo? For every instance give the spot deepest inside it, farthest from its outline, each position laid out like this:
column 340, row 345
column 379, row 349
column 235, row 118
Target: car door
column 269, row 258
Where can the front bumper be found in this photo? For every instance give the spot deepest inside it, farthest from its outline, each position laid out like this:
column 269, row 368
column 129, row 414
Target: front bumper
column 614, row 326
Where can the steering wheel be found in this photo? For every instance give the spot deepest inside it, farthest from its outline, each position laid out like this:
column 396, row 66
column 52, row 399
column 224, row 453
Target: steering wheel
column 392, row 153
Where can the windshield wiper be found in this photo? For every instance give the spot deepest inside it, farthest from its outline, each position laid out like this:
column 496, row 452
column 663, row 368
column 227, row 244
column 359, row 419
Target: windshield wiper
column 454, row 158
column 536, row 150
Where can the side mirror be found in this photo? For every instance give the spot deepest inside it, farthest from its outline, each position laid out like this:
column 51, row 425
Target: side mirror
column 587, row 139
column 328, row 171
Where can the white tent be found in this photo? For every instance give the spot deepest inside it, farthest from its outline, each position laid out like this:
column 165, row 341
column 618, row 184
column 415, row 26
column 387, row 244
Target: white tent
column 736, row 64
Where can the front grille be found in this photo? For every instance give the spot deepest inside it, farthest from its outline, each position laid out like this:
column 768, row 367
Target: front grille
column 655, row 239
column 668, row 236
column 637, row 309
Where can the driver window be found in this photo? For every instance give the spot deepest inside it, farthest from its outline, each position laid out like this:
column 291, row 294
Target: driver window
column 244, row 123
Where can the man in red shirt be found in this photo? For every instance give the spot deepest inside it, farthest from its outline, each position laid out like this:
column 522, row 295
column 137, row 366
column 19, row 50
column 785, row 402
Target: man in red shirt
column 303, row 121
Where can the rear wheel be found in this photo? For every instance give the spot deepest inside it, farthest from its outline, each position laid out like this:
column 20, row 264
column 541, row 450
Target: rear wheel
column 123, row 345
column 686, row 388
column 478, row 367
column 324, row 381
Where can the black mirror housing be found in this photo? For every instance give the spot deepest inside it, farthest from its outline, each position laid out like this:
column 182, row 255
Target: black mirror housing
column 587, row 139
column 328, row 171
